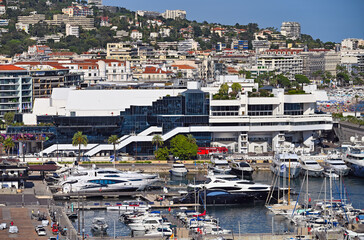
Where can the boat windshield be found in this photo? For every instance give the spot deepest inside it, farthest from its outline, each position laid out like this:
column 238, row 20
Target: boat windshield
column 243, row 164
column 311, row 163
column 338, row 164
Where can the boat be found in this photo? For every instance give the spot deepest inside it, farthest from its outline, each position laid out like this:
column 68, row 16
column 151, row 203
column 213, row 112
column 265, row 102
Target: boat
column 158, row 232
column 130, row 206
column 286, row 165
column 242, row 169
column 257, row 191
column 149, row 223
column 336, row 165
column 99, row 225
column 179, row 170
column 354, row 158
column 311, row 167
column 220, row 166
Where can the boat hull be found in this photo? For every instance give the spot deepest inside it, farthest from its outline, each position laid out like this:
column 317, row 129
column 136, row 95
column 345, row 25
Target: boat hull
column 357, row 170
column 294, row 172
column 178, row 173
column 312, row 173
column 239, row 172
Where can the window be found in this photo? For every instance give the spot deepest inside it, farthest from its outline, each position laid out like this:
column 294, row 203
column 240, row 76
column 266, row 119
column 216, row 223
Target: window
column 293, row 109
column 260, row 110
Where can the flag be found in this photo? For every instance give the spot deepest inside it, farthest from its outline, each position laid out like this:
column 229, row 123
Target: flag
column 169, row 209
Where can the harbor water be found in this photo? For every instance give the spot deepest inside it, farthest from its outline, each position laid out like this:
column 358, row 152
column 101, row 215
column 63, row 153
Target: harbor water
column 246, row 219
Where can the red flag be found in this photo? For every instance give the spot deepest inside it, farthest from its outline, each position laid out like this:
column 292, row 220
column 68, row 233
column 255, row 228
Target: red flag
column 169, row 209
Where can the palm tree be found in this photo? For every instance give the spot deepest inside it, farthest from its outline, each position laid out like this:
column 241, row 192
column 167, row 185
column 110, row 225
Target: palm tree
column 157, row 141
column 113, row 139
column 78, row 140
column 190, row 138
column 8, row 144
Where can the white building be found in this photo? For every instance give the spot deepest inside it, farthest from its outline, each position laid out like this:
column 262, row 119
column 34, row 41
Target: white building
column 2, row 9
column 287, row 65
column 291, row 30
column 350, row 43
column 72, row 30
column 22, row 27
column 136, row 35
column 187, row 45
column 174, row 14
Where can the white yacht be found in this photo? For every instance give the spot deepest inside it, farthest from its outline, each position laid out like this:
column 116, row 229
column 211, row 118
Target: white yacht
column 179, row 170
column 106, row 183
column 354, row 158
column 220, row 166
column 99, row 225
column 158, row 232
column 336, row 165
column 257, row 190
column 130, row 206
column 284, row 164
column 149, row 223
column 311, row 167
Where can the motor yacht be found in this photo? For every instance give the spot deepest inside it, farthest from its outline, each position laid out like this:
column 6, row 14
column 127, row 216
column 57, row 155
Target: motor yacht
column 336, row 165
column 354, row 158
column 311, row 167
column 179, row 170
column 286, row 165
column 149, row 223
column 220, row 166
column 130, row 206
column 241, row 169
column 158, row 232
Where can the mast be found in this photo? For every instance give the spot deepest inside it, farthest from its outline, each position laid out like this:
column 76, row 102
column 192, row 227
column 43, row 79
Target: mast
column 307, row 197
column 289, row 181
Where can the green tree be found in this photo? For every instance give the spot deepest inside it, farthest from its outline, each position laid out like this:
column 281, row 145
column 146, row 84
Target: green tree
column 236, row 88
column 78, row 140
column 302, row 79
column 182, row 148
column 9, row 118
column 157, row 141
column 282, row 80
column 113, row 139
column 191, row 138
column 224, row 89
column 8, row 144
column 162, row 154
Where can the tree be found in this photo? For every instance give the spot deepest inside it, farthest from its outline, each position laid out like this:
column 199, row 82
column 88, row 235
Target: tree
column 113, row 139
column 162, row 154
column 78, row 140
column 224, row 89
column 157, row 141
column 283, row 80
column 8, row 144
column 236, row 88
column 191, row 138
column 302, row 79
column 9, row 118
column 182, row 148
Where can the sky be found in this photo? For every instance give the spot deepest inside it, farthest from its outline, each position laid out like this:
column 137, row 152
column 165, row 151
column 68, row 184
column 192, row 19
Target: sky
column 328, row 20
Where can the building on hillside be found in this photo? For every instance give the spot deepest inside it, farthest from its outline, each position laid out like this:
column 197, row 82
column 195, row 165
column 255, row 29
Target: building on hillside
column 82, row 21
column 105, row 22
column 289, row 65
column 31, row 19
column 97, row 3
column 22, row 27
column 78, row 10
column 120, row 51
column 153, row 73
column 72, row 30
column 136, row 35
column 332, row 59
column 15, row 90
column 39, row 50
column 260, row 45
column 240, row 44
column 291, row 30
column 151, row 14
column 187, row 45
column 184, row 71
column 174, row 14
column 313, row 62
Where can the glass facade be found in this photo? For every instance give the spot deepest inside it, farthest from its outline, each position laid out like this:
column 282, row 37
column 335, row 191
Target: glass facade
column 293, row 109
column 260, row 110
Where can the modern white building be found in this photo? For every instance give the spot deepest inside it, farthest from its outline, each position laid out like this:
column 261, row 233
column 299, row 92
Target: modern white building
column 136, row 35
column 72, row 30
column 289, row 65
column 291, row 30
column 174, row 14
column 188, row 45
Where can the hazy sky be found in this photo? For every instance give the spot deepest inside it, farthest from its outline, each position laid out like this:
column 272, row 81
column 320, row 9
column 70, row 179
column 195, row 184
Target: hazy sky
column 329, row 20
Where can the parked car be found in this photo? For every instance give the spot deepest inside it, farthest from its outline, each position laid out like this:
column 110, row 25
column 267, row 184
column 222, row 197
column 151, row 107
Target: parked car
column 3, row 226
column 13, row 229
column 52, row 238
column 41, row 232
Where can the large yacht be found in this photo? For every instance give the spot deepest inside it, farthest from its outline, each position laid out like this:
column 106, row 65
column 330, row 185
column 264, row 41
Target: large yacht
column 311, row 167
column 242, row 169
column 179, row 170
column 285, row 164
column 220, row 166
column 354, row 158
column 336, row 165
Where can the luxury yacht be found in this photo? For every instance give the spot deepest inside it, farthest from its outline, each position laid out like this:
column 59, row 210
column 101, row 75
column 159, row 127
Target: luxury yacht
column 99, row 225
column 311, row 167
column 241, row 169
column 220, row 166
column 336, row 165
column 179, row 170
column 354, row 158
column 284, row 164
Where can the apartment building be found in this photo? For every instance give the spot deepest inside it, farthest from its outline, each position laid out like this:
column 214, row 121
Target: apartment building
column 72, row 30
column 78, row 10
column 31, row 19
column 136, row 35
column 120, row 51
column 15, row 90
column 291, row 30
column 82, row 21
column 174, row 14
column 187, row 45
column 289, row 65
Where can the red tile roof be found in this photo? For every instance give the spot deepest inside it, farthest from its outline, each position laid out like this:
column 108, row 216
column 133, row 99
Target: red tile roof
column 183, row 66
column 154, row 70
column 10, row 68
